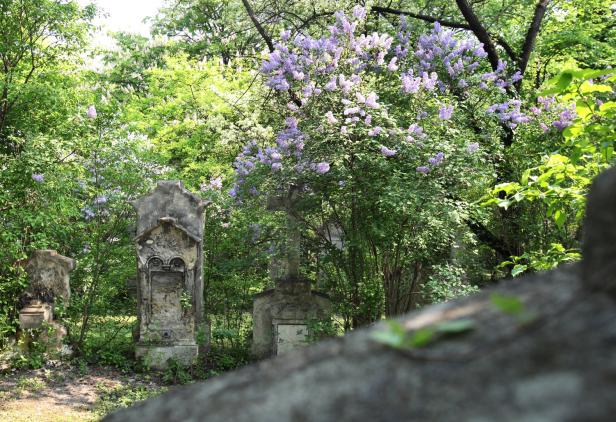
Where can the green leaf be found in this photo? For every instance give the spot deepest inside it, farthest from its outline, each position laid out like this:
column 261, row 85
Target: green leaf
column 507, row 304
column 421, row 337
column 564, row 80
column 456, row 326
column 518, row 269
column 388, row 338
column 560, row 218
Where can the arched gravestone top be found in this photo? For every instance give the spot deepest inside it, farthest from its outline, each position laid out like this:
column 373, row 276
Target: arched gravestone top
column 48, row 274
column 170, row 199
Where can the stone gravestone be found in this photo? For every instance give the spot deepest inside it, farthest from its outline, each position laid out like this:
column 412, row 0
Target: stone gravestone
column 48, row 275
column 281, row 315
column 170, row 283
column 553, row 361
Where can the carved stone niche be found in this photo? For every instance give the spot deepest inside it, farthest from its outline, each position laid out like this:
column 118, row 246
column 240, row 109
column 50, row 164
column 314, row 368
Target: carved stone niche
column 169, row 282
column 281, row 316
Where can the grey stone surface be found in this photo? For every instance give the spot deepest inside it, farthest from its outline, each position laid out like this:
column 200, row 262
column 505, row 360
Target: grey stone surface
column 169, row 283
column 292, row 302
column 599, row 247
column 48, row 282
column 280, row 316
column 48, row 277
column 556, row 364
column 35, row 314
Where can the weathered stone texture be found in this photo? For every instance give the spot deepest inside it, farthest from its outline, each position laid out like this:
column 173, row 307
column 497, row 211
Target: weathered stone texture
column 48, row 277
column 558, row 366
column 291, row 303
column 169, row 283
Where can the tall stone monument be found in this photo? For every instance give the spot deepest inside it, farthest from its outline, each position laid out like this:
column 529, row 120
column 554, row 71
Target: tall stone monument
column 169, row 283
column 48, row 276
column 281, row 315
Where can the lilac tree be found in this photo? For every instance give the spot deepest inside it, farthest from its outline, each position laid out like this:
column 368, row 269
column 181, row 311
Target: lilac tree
column 390, row 136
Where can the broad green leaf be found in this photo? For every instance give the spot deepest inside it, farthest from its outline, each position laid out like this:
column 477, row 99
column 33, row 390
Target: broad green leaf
column 560, row 218
column 421, row 337
column 456, row 326
column 508, row 304
column 387, row 337
column 518, row 269
column 564, row 80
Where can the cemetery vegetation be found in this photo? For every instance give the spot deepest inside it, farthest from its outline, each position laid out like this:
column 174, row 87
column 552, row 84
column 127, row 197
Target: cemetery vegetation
column 444, row 152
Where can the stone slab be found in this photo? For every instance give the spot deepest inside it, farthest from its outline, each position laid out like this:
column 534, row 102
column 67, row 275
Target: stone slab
column 34, row 315
column 156, row 357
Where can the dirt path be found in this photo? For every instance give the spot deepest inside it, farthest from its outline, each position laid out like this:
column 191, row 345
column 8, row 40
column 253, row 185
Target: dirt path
column 65, row 393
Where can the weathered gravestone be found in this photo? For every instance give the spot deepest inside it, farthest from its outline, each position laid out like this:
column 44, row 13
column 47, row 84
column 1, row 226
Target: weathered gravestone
column 169, row 284
column 552, row 360
column 48, row 284
column 281, row 316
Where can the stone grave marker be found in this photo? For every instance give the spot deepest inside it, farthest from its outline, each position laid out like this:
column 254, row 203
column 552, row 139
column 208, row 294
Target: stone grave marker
column 48, row 284
column 281, row 315
column 169, row 283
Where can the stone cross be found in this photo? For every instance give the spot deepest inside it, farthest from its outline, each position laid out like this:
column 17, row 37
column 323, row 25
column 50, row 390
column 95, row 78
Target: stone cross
column 288, row 203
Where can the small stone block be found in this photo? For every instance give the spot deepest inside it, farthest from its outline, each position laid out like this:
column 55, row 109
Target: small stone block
column 34, row 315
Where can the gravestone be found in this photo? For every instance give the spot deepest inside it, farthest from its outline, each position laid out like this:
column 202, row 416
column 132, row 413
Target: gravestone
column 552, row 360
column 282, row 315
column 48, row 284
column 169, row 283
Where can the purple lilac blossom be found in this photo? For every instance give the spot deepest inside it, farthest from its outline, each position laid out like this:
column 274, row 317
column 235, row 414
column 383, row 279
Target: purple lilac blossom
column 374, row 131
column 565, row 118
column 91, row 113
column 445, row 112
column 322, row 168
column 99, row 200
column 437, row 160
column 38, row 177
column 472, row 147
column 423, row 169
column 509, row 113
column 386, row 152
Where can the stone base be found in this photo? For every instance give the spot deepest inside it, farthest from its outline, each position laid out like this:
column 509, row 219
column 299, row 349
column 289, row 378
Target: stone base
column 156, row 357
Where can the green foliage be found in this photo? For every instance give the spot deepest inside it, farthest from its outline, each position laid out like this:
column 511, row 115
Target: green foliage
column 321, row 329
column 445, row 283
column 558, row 185
column 397, row 337
column 114, row 398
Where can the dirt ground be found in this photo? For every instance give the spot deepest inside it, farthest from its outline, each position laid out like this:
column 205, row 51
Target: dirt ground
column 65, row 393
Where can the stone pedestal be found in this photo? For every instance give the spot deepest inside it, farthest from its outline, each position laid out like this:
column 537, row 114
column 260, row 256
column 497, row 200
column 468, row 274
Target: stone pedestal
column 35, row 314
column 281, row 316
column 169, row 284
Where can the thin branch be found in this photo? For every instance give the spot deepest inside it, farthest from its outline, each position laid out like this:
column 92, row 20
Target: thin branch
column 531, row 35
column 449, row 24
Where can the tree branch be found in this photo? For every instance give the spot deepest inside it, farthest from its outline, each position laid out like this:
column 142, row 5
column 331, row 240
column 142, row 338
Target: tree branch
column 531, row 35
column 258, row 26
column 449, row 24
column 480, row 32
column 488, row 238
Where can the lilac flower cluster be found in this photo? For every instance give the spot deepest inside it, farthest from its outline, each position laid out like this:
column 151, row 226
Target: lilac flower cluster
column 439, row 49
column 433, row 162
column 509, row 113
column 565, row 118
column 335, row 69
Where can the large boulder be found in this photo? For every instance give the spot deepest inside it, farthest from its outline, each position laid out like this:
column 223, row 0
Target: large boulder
column 540, row 348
